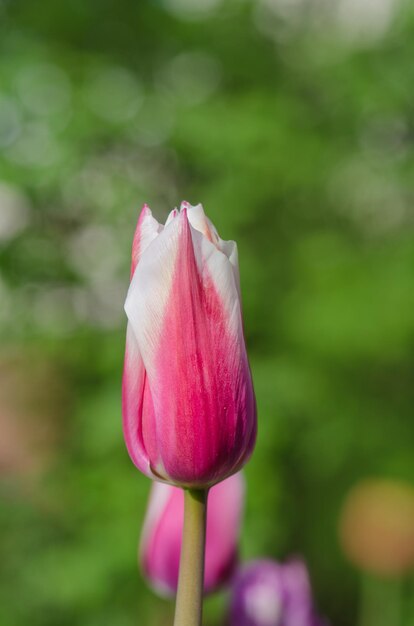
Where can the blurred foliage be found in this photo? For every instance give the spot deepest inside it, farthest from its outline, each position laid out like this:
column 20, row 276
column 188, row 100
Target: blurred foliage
column 293, row 124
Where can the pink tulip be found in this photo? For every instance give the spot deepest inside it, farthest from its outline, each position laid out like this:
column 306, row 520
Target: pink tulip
column 189, row 410
column 161, row 536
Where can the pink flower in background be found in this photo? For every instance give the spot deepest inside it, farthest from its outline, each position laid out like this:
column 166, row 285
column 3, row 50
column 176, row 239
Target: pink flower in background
column 161, row 536
column 189, row 410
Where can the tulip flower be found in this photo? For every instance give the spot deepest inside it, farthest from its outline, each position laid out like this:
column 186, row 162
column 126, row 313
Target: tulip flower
column 267, row 593
column 160, row 544
column 189, row 411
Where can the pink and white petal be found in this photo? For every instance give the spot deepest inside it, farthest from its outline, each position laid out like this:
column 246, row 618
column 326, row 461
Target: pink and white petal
column 132, row 391
column 150, row 435
column 146, row 230
column 228, row 359
column 224, row 517
column 172, row 215
column 149, row 292
column 160, row 553
column 229, row 248
column 200, row 222
column 204, row 225
column 214, row 265
column 159, row 496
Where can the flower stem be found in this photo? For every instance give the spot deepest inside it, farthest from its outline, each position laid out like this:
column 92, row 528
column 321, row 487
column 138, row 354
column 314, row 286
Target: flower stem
column 189, row 603
column 381, row 601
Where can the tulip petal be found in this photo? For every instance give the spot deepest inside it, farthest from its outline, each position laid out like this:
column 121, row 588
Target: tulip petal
column 229, row 248
column 201, row 222
column 159, row 495
column 134, row 378
column 160, row 545
column 133, row 384
column 146, row 230
column 172, row 215
column 224, row 515
column 265, row 591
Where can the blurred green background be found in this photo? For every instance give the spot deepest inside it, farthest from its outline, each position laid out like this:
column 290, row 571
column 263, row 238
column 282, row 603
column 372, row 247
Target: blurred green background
column 293, row 122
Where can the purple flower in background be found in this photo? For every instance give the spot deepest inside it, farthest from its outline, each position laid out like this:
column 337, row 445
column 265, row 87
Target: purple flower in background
column 267, row 593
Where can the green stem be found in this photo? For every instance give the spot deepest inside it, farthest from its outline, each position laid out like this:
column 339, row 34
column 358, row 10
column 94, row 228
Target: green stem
column 381, row 602
column 189, row 603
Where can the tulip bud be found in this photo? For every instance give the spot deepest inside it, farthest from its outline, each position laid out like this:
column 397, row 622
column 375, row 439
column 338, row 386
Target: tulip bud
column 189, row 410
column 160, row 544
column 266, row 593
